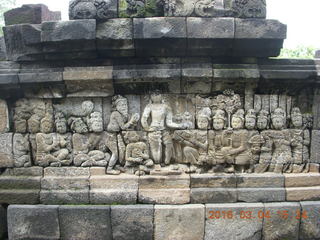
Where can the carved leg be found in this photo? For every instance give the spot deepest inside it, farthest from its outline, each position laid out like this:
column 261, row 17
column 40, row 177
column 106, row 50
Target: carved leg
column 111, row 143
column 155, row 146
column 278, row 168
column 167, row 140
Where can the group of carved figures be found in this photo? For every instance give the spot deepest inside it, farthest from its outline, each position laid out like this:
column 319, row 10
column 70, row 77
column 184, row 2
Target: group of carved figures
column 225, row 138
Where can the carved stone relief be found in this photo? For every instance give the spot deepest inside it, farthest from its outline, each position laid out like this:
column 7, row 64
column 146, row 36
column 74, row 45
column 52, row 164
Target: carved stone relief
column 4, row 117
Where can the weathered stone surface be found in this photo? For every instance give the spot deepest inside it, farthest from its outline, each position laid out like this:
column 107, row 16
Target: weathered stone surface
column 236, row 71
column 85, row 222
column 40, row 77
column 303, row 193
column 302, row 180
column 260, row 180
column 132, row 222
column 68, row 30
column 213, row 195
column 179, row 222
column 4, row 117
column 92, row 9
column 261, row 194
column 109, row 189
column 33, row 222
column 213, row 181
column 315, row 146
column 3, row 222
column 259, row 29
column 89, row 81
column 3, row 54
column 234, row 221
column 282, row 223
column 310, row 221
column 164, row 189
column 213, row 28
column 6, row 154
column 115, row 37
column 248, row 9
column 314, row 168
column 197, row 77
column 65, row 185
column 30, row 13
column 151, row 36
column 22, row 41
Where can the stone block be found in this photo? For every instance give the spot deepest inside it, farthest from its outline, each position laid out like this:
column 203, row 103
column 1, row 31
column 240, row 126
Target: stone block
column 151, row 36
column 115, row 37
column 132, row 222
column 315, row 146
column 30, row 13
column 3, row 222
column 197, row 78
column 259, row 29
column 164, row 189
column 3, row 54
column 67, row 185
column 280, row 221
column 24, row 172
column 261, row 194
column 303, row 193
column 68, row 30
column 85, row 222
column 179, row 222
column 268, row 180
column 234, row 221
column 314, row 168
column 19, row 196
column 212, row 181
column 302, row 180
column 88, row 81
column 210, row 28
column 39, row 77
column 33, row 222
column 109, row 189
column 310, row 221
column 23, row 41
column 6, row 151
column 248, row 9
column 4, row 117
column 236, row 71
column 213, row 195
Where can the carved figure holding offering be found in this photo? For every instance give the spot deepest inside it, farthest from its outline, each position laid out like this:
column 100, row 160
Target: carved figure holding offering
column 160, row 114
column 119, row 121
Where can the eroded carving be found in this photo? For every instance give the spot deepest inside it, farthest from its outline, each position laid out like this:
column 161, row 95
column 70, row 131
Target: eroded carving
column 91, row 9
column 21, row 150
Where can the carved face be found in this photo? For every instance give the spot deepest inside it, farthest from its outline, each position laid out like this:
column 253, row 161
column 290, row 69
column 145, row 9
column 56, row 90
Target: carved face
column 87, row 107
column 122, row 107
column 297, row 121
column 256, row 148
column 237, row 123
column 218, row 123
column 84, row 10
column 96, row 125
column 46, row 127
column 33, row 125
column 156, row 98
column 202, row 122
column 133, row 137
column 278, row 123
column 20, row 126
column 250, row 123
column 80, row 127
column 262, row 123
column 61, row 126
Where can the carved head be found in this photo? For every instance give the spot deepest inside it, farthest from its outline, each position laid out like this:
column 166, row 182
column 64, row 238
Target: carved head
column 237, row 120
column 87, row 107
column 256, row 143
column 46, row 125
column 250, row 119
column 296, row 118
column 219, row 119
column 131, row 137
column 263, row 120
column 20, row 126
column 96, row 122
column 156, row 97
column 203, row 118
column 120, row 104
column 34, row 124
column 278, row 118
column 78, row 125
column 61, row 123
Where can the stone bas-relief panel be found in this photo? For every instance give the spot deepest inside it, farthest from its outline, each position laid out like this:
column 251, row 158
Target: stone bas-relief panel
column 165, row 134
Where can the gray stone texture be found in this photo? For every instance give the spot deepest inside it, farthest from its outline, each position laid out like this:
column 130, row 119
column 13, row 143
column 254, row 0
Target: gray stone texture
column 3, row 222
column 6, row 151
column 302, row 180
column 234, row 221
column 3, row 54
column 85, row 222
column 132, row 222
column 303, row 193
column 213, row 195
column 315, row 146
column 310, row 221
column 267, row 180
column 183, row 222
column 236, row 71
column 213, row 181
column 33, row 222
column 282, row 223
column 67, row 185
column 30, row 13
column 261, row 194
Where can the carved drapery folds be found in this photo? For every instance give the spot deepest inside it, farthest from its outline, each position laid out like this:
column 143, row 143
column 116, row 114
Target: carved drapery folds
column 159, row 132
